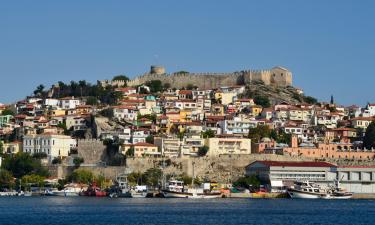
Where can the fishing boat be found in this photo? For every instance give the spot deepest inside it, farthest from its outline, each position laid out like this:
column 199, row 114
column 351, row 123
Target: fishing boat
column 336, row 192
column 311, row 190
column 70, row 190
column 8, row 193
column 306, row 189
column 176, row 189
column 121, row 189
column 94, row 191
column 139, row 191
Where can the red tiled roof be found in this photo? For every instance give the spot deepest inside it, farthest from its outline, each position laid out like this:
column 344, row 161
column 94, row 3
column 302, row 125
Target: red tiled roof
column 364, row 167
column 125, row 89
column 363, row 118
column 163, row 117
column 344, row 129
column 245, row 100
column 20, row 116
column 123, row 107
column 133, row 101
column 185, row 92
column 142, row 144
column 297, row 164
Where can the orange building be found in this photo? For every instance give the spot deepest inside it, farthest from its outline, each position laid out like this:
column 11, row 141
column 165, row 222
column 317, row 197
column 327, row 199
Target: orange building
column 331, row 150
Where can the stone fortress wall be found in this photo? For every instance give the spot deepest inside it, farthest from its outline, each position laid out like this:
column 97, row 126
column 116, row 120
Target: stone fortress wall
column 277, row 76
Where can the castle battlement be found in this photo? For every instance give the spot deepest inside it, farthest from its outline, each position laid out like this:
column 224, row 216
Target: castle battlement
column 277, row 76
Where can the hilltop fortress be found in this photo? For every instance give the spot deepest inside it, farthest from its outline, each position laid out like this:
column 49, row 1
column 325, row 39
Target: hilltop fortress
column 277, row 76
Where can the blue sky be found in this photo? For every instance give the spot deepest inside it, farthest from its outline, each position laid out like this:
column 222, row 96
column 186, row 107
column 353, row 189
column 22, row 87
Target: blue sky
column 328, row 45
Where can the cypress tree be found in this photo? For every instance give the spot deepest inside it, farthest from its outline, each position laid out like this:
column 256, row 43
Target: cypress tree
column 369, row 139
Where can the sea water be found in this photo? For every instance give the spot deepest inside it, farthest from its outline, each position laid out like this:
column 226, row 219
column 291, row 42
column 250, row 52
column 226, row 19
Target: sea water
column 106, row 211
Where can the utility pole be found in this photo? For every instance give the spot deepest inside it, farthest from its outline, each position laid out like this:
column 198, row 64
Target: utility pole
column 192, row 180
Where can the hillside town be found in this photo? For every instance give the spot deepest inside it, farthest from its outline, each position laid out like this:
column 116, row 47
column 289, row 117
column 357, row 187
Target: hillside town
column 112, row 125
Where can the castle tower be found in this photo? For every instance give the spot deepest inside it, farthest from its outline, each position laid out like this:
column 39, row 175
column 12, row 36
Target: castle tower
column 157, row 70
column 280, row 76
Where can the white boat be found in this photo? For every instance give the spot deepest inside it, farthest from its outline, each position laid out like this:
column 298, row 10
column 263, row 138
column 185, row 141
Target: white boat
column 139, row 191
column 306, row 189
column 176, row 189
column 9, row 193
column 70, row 190
column 336, row 192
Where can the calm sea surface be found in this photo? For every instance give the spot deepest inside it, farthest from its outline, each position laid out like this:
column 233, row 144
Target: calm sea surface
column 84, row 210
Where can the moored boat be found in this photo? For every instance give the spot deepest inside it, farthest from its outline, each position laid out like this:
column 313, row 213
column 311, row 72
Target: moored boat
column 176, row 189
column 94, row 191
column 121, row 189
column 336, row 192
column 70, row 190
column 306, row 189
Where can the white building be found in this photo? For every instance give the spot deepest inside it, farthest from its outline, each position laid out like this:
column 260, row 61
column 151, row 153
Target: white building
column 371, row 109
column 69, row 103
column 279, row 175
column 140, row 135
column 228, row 146
column 125, row 112
column 51, row 102
column 51, row 144
column 170, row 147
column 237, row 126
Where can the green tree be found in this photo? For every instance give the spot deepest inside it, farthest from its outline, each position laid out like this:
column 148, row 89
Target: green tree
column 39, row 90
column 78, row 161
column 189, row 87
column 33, row 179
column 130, row 152
column 22, row 164
column 107, row 113
column 369, row 138
column 152, row 177
column 186, row 179
column 155, row 86
column 283, row 137
column 202, row 151
column 63, row 126
column 135, row 178
column 310, row 100
column 81, row 176
column 91, row 100
column 6, row 179
column 259, row 132
column 150, row 139
column 166, row 86
column 1, row 148
column 247, row 182
column 100, row 180
column 120, row 77
column 7, row 111
column 262, row 101
column 40, row 155
column 208, row 134
column 56, row 160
